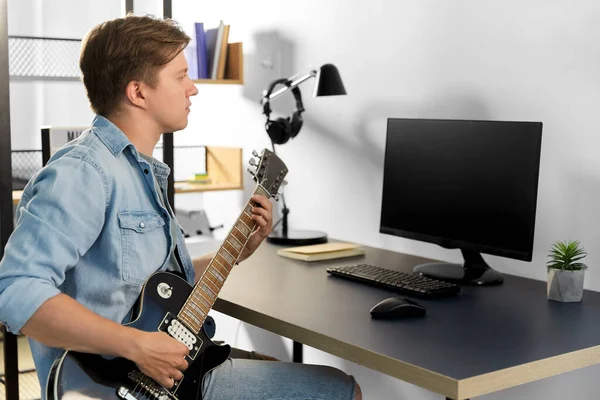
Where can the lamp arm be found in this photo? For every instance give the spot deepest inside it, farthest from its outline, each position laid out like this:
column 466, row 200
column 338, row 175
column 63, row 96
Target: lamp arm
column 294, row 83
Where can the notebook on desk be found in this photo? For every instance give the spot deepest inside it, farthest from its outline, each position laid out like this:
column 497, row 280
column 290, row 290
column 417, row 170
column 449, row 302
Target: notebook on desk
column 319, row 252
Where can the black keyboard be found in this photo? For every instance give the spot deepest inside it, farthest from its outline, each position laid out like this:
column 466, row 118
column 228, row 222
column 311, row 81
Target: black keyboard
column 402, row 282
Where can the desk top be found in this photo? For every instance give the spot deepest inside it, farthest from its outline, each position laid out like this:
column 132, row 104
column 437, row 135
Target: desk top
column 483, row 340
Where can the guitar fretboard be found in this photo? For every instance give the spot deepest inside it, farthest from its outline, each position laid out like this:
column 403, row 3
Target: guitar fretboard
column 206, row 290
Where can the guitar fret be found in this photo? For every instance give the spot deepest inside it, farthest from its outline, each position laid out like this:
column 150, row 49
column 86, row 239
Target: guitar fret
column 199, row 310
column 235, row 233
column 224, row 262
column 212, row 290
column 231, row 249
column 217, row 275
column 199, row 297
column 247, row 220
column 235, row 243
column 188, row 321
column 201, row 294
column 243, row 228
column 220, row 270
column 207, row 279
column 193, row 317
column 248, row 209
column 221, row 266
column 197, row 305
column 228, row 257
column 245, row 224
column 208, row 291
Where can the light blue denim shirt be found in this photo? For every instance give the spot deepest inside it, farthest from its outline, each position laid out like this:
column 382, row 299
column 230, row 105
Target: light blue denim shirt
column 90, row 225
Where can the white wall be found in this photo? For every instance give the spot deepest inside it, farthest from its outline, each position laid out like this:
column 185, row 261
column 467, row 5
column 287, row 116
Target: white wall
column 479, row 59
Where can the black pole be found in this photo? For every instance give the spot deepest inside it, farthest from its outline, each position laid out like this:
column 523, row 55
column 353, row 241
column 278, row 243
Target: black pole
column 168, row 137
column 297, row 354
column 11, row 367
column 128, row 6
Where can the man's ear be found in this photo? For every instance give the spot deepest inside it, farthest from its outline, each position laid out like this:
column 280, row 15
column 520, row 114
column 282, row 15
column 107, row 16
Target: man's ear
column 135, row 94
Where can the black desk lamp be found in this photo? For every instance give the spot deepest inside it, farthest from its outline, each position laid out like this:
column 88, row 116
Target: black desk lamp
column 329, row 83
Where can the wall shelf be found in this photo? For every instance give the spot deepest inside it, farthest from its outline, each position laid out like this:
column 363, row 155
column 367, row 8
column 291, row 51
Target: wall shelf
column 234, row 68
column 224, row 169
column 219, row 81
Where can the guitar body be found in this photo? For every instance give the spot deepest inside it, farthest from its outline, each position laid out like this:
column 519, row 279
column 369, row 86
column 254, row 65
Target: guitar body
column 88, row 376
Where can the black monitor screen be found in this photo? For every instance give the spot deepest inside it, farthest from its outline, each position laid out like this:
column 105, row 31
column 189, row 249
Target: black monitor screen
column 462, row 184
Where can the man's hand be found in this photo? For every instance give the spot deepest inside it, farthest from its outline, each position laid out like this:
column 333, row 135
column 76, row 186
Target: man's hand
column 263, row 215
column 160, row 357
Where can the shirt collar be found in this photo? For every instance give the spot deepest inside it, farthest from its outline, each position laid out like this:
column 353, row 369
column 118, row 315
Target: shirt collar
column 117, row 141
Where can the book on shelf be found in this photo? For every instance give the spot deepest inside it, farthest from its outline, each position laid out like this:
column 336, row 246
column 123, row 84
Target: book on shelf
column 209, row 52
column 325, row 251
column 201, row 52
column 223, row 52
column 214, row 38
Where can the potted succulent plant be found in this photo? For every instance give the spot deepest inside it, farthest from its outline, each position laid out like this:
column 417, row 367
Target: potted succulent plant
column 566, row 271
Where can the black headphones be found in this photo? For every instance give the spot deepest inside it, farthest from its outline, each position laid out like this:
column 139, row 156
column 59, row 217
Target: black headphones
column 282, row 129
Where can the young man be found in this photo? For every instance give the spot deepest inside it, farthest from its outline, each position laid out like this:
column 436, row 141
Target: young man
column 95, row 223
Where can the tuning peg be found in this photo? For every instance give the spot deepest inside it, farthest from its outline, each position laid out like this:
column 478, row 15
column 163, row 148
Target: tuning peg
column 252, row 162
column 252, row 172
column 254, row 153
column 276, row 197
column 284, row 183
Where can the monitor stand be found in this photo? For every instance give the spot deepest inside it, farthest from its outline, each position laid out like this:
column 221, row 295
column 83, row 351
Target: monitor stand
column 474, row 271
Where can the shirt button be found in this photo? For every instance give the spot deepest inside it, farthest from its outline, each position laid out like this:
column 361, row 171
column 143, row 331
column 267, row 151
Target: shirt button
column 142, row 225
column 146, row 171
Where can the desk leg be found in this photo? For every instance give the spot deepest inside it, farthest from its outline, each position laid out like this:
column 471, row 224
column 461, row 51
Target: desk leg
column 11, row 365
column 297, row 352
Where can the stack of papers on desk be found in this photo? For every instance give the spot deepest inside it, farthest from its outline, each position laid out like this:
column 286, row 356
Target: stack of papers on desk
column 325, row 251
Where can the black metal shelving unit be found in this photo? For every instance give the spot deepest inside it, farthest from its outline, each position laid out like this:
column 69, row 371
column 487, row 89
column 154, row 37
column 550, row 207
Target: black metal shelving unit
column 11, row 370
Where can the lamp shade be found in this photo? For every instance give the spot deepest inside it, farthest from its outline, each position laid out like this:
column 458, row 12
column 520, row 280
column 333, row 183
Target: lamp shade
column 329, row 82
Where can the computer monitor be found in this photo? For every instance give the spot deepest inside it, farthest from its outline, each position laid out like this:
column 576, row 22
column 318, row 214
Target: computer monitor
column 470, row 185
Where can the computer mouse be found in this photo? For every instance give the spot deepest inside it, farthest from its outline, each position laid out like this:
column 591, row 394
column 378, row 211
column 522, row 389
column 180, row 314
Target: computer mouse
column 397, row 307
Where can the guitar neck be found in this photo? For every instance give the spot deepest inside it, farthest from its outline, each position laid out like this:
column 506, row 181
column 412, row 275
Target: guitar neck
column 206, row 290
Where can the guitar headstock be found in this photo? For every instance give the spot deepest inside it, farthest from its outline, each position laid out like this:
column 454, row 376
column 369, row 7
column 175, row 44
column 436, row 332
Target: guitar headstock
column 270, row 171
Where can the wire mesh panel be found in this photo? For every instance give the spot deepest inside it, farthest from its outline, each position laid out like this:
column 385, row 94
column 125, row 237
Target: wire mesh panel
column 25, row 163
column 36, row 57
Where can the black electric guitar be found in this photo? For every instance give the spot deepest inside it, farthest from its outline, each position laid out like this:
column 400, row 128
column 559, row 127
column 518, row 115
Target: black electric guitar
column 169, row 304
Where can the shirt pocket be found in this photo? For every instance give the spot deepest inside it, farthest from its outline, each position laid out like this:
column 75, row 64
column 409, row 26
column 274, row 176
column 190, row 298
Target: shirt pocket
column 143, row 244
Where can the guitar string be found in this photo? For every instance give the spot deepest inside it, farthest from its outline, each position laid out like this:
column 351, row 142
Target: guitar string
column 135, row 388
column 149, row 385
column 141, row 385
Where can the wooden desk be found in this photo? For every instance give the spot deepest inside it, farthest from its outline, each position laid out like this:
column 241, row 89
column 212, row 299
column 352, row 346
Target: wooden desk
column 484, row 340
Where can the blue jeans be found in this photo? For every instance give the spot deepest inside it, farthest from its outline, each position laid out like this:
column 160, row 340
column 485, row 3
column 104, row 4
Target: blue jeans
column 239, row 379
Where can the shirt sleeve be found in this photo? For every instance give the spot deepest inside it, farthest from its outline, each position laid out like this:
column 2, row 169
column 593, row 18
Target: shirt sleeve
column 60, row 216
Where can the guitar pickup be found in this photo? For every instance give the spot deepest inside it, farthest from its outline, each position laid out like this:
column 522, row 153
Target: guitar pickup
column 177, row 330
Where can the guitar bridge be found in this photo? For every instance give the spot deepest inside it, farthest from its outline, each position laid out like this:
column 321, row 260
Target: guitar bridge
column 177, row 330
column 148, row 387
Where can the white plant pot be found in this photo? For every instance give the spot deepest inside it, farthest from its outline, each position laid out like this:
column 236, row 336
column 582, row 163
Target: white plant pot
column 565, row 286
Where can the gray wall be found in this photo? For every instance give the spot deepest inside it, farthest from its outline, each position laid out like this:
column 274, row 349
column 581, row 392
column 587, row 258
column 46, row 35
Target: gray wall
column 510, row 60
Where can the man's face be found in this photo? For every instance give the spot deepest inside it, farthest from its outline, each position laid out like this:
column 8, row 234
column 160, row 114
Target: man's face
column 169, row 102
